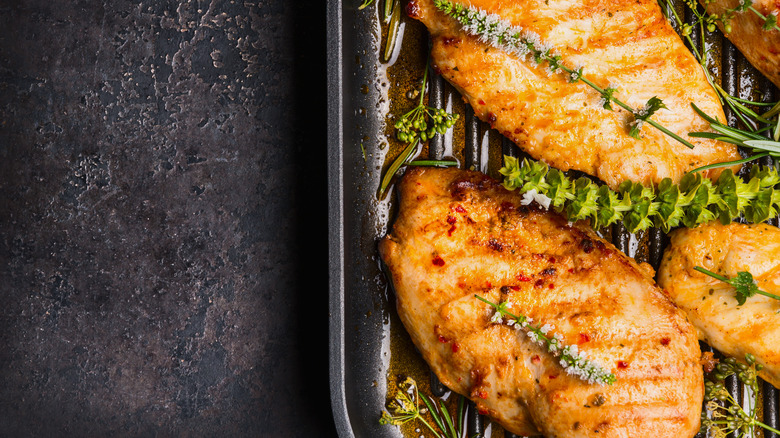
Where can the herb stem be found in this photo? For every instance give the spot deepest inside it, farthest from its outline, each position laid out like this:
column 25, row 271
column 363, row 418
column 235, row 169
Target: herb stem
column 730, row 163
column 711, row 274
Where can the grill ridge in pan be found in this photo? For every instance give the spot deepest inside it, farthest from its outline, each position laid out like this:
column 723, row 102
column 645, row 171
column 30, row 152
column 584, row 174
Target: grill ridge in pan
column 366, row 335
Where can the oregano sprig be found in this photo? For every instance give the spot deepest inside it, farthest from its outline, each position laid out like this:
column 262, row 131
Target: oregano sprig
column 694, row 201
column 574, row 361
column 491, row 29
column 744, row 285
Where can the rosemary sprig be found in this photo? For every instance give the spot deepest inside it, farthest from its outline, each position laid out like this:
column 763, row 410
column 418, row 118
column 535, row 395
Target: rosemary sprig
column 392, row 30
column 417, row 126
column 491, row 29
column 572, row 360
column 405, row 407
column 744, row 285
column 723, row 415
column 434, row 163
column 694, row 201
column 749, row 139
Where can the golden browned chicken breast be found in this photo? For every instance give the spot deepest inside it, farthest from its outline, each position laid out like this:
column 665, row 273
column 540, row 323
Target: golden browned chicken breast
column 460, row 234
column 628, row 44
column 711, row 305
column 760, row 47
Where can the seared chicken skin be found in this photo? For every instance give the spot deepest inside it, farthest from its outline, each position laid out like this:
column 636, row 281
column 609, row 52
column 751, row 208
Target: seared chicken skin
column 460, row 233
column 734, row 330
column 625, row 43
column 760, row 47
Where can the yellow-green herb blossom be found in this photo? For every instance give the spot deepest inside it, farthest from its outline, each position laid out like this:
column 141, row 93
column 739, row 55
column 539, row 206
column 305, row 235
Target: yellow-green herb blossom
column 723, row 415
column 492, row 30
column 405, row 407
column 573, row 361
column 692, row 202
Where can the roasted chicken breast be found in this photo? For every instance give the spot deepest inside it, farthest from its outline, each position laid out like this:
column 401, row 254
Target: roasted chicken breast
column 760, row 47
column 628, row 44
column 711, row 305
column 459, row 234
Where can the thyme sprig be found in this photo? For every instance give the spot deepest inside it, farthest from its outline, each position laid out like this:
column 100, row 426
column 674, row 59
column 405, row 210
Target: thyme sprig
column 723, row 415
column 491, row 29
column 405, row 407
column 744, row 285
column 415, row 127
column 694, row 201
column 572, row 360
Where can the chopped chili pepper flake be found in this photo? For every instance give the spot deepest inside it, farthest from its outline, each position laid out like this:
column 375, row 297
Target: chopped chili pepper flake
column 489, row 285
column 451, row 219
column 622, row 364
column 523, row 277
column 460, row 209
column 535, row 359
column 438, row 261
column 451, row 230
column 665, row 341
column 551, row 286
column 553, row 376
column 584, row 338
column 539, row 283
column 443, row 340
column 514, row 287
column 483, row 394
column 455, row 347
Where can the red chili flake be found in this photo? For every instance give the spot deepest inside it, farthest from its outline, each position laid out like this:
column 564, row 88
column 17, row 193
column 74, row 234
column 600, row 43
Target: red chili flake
column 553, row 376
column 514, row 287
column 665, row 341
column 552, row 259
column 489, row 285
column 570, row 270
column 495, row 245
column 451, row 230
column 536, row 359
column 438, row 261
column 483, row 394
column 455, row 347
column 492, row 118
column 551, row 286
column 443, row 340
column 413, row 9
column 451, row 219
column 460, row 209
column 523, row 277
column 622, row 364
column 584, row 338
column 482, row 411
column 481, row 102
column 539, row 283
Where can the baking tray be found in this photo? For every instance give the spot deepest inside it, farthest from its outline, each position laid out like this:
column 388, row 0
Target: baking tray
column 369, row 348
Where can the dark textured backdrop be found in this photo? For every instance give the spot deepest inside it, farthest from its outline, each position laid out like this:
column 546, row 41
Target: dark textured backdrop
column 163, row 216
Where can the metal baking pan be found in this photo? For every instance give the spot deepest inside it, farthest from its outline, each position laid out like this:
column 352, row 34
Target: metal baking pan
column 368, row 345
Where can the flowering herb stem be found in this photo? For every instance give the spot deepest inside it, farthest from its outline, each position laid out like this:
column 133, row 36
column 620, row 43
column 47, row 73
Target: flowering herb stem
column 575, row 362
column 694, row 201
column 744, row 285
column 491, row 29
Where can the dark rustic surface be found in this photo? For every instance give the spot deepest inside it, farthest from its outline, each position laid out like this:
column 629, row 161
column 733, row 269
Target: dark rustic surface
column 162, row 216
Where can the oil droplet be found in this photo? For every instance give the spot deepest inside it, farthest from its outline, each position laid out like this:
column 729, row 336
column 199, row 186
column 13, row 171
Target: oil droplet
column 364, row 89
